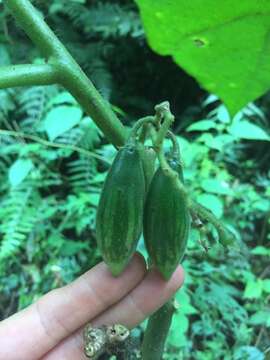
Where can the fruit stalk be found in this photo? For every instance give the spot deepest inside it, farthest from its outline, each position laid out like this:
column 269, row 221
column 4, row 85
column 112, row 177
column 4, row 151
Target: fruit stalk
column 156, row 332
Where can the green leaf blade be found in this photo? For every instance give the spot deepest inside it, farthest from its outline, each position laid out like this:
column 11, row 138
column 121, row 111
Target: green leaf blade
column 224, row 45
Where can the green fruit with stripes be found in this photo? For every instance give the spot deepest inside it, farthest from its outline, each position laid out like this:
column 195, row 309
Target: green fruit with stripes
column 166, row 222
column 120, row 209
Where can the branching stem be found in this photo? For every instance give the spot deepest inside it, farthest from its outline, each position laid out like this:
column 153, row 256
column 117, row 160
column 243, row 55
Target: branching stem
column 27, row 75
column 65, row 71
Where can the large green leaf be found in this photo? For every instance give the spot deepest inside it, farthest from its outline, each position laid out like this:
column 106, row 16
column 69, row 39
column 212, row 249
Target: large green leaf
column 225, row 44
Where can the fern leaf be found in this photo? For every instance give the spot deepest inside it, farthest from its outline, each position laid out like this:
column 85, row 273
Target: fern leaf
column 18, row 212
column 80, row 173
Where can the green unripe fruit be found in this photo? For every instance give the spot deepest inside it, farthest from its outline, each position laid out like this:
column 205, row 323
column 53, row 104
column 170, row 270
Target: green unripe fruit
column 166, row 223
column 119, row 215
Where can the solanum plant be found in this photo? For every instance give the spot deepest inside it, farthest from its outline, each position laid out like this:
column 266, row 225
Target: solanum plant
column 59, row 67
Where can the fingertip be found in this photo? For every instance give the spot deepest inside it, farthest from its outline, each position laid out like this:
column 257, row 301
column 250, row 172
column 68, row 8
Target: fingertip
column 177, row 279
column 172, row 284
column 136, row 264
column 148, row 296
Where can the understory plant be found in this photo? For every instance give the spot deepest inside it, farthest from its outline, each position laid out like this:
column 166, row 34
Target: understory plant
column 49, row 154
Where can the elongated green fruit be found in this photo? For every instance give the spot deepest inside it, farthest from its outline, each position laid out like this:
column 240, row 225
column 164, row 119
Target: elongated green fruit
column 120, row 209
column 166, row 223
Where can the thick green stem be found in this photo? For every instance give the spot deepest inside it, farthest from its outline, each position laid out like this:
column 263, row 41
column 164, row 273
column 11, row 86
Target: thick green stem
column 30, row 19
column 157, row 331
column 73, row 79
column 69, row 72
column 27, row 75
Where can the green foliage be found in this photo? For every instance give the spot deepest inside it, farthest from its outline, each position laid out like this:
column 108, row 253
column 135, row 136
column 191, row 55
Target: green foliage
column 48, row 195
column 50, row 182
column 222, row 46
column 226, row 294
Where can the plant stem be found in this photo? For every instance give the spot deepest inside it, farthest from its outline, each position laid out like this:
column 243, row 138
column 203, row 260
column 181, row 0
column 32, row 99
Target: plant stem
column 156, row 332
column 69, row 72
column 141, row 122
column 176, row 148
column 44, row 142
column 164, row 119
column 27, row 75
column 30, row 19
column 163, row 113
column 205, row 214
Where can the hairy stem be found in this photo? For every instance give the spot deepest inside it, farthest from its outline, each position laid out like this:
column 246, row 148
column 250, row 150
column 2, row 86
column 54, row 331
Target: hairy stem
column 70, row 75
column 27, row 75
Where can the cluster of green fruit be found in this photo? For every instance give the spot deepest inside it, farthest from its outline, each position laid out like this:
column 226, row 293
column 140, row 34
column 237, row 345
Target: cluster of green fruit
column 138, row 197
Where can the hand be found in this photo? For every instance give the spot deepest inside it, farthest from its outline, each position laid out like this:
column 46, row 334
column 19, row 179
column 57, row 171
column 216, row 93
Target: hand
column 51, row 328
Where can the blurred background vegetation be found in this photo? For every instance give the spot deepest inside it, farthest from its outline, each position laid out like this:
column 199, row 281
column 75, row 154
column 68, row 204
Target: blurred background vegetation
column 53, row 161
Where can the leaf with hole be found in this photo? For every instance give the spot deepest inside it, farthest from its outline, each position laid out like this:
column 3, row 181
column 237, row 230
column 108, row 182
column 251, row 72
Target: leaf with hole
column 225, row 45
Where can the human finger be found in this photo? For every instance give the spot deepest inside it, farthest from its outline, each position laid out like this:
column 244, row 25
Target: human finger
column 41, row 326
column 151, row 293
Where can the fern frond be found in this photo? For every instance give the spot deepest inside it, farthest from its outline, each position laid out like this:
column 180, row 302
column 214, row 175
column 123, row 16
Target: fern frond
column 71, row 137
column 6, row 104
column 18, row 214
column 86, row 135
column 104, row 19
column 80, row 173
column 5, row 163
column 32, row 103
